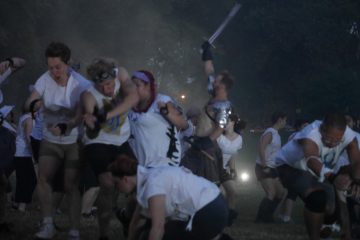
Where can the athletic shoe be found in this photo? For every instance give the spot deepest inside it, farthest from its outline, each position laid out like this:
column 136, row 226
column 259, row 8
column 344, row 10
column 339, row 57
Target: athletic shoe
column 47, row 231
column 327, row 230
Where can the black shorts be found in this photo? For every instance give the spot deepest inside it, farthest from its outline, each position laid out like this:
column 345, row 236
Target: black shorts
column 100, row 156
column 262, row 173
column 300, row 182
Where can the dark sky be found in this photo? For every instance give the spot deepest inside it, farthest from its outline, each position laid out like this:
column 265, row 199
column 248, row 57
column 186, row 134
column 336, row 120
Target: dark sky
column 283, row 54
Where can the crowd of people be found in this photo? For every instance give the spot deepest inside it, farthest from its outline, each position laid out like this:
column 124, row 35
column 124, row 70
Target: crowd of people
column 116, row 131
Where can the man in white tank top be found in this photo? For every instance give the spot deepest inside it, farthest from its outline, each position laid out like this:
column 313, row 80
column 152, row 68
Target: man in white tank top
column 318, row 147
column 106, row 135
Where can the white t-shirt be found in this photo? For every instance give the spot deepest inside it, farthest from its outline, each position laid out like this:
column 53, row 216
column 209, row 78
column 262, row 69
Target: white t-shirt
column 229, row 147
column 185, row 193
column 292, row 153
column 114, row 131
column 344, row 158
column 271, row 149
column 23, row 149
column 154, row 140
column 60, row 103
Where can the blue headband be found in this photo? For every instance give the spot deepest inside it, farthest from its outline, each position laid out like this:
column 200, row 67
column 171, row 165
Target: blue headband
column 142, row 76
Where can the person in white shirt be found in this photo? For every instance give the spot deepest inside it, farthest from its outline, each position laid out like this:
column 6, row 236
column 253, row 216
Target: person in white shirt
column 307, row 165
column 24, row 167
column 59, row 91
column 179, row 204
column 266, row 173
column 105, row 139
column 155, row 124
column 230, row 143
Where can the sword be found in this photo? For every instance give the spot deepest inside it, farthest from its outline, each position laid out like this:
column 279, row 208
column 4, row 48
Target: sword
column 221, row 28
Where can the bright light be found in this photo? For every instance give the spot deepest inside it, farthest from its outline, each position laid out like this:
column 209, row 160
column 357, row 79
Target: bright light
column 183, row 96
column 244, row 177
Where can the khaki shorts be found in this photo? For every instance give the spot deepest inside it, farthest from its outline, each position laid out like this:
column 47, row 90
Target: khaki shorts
column 69, row 153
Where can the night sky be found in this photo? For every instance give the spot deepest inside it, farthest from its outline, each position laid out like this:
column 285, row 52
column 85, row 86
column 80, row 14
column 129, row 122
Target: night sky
column 295, row 56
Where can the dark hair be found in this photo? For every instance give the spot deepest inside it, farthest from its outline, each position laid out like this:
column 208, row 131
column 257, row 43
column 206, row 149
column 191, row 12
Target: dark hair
column 227, row 79
column 58, row 49
column 124, row 165
column 101, row 69
column 299, row 123
column 334, row 120
column 276, row 116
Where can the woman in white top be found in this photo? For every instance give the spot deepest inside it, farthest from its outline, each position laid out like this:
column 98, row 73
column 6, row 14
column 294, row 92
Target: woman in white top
column 179, row 204
column 24, row 167
column 265, row 169
column 59, row 91
column 155, row 124
column 230, row 143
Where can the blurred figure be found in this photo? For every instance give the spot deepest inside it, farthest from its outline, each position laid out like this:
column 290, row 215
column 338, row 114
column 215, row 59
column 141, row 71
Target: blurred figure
column 7, row 149
column 266, row 173
column 192, row 116
column 59, row 91
column 7, row 67
column 230, row 142
column 24, row 166
column 285, row 215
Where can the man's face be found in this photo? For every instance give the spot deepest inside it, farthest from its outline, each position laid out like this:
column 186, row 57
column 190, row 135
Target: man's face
column 218, row 84
column 331, row 137
column 107, row 87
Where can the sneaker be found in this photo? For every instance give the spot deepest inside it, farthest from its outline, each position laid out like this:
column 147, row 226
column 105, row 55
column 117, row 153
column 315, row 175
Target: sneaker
column 47, row 231
column 74, row 234
column 327, row 230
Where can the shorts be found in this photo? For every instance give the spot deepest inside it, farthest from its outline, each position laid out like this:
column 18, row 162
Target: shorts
column 299, row 182
column 69, row 153
column 100, row 155
column 263, row 173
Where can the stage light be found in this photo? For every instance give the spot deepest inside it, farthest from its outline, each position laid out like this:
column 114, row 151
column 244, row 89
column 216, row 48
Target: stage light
column 244, row 176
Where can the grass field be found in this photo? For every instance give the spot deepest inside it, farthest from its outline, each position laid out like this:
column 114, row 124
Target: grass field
column 244, row 228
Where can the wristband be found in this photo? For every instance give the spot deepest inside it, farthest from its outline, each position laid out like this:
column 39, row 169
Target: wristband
column 63, row 128
column 324, row 170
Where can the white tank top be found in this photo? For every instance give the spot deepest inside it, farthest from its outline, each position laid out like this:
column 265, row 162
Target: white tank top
column 114, row 131
column 292, row 152
column 22, row 147
column 229, row 147
column 271, row 149
column 155, row 141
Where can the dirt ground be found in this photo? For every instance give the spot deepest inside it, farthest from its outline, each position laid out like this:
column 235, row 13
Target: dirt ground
column 244, row 228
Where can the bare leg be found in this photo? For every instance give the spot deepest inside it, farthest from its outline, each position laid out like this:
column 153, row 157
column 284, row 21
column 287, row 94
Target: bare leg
column 89, row 199
column 71, row 188
column 313, row 222
column 105, row 202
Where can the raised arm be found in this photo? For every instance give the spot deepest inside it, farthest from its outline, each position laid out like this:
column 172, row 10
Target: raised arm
column 130, row 96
